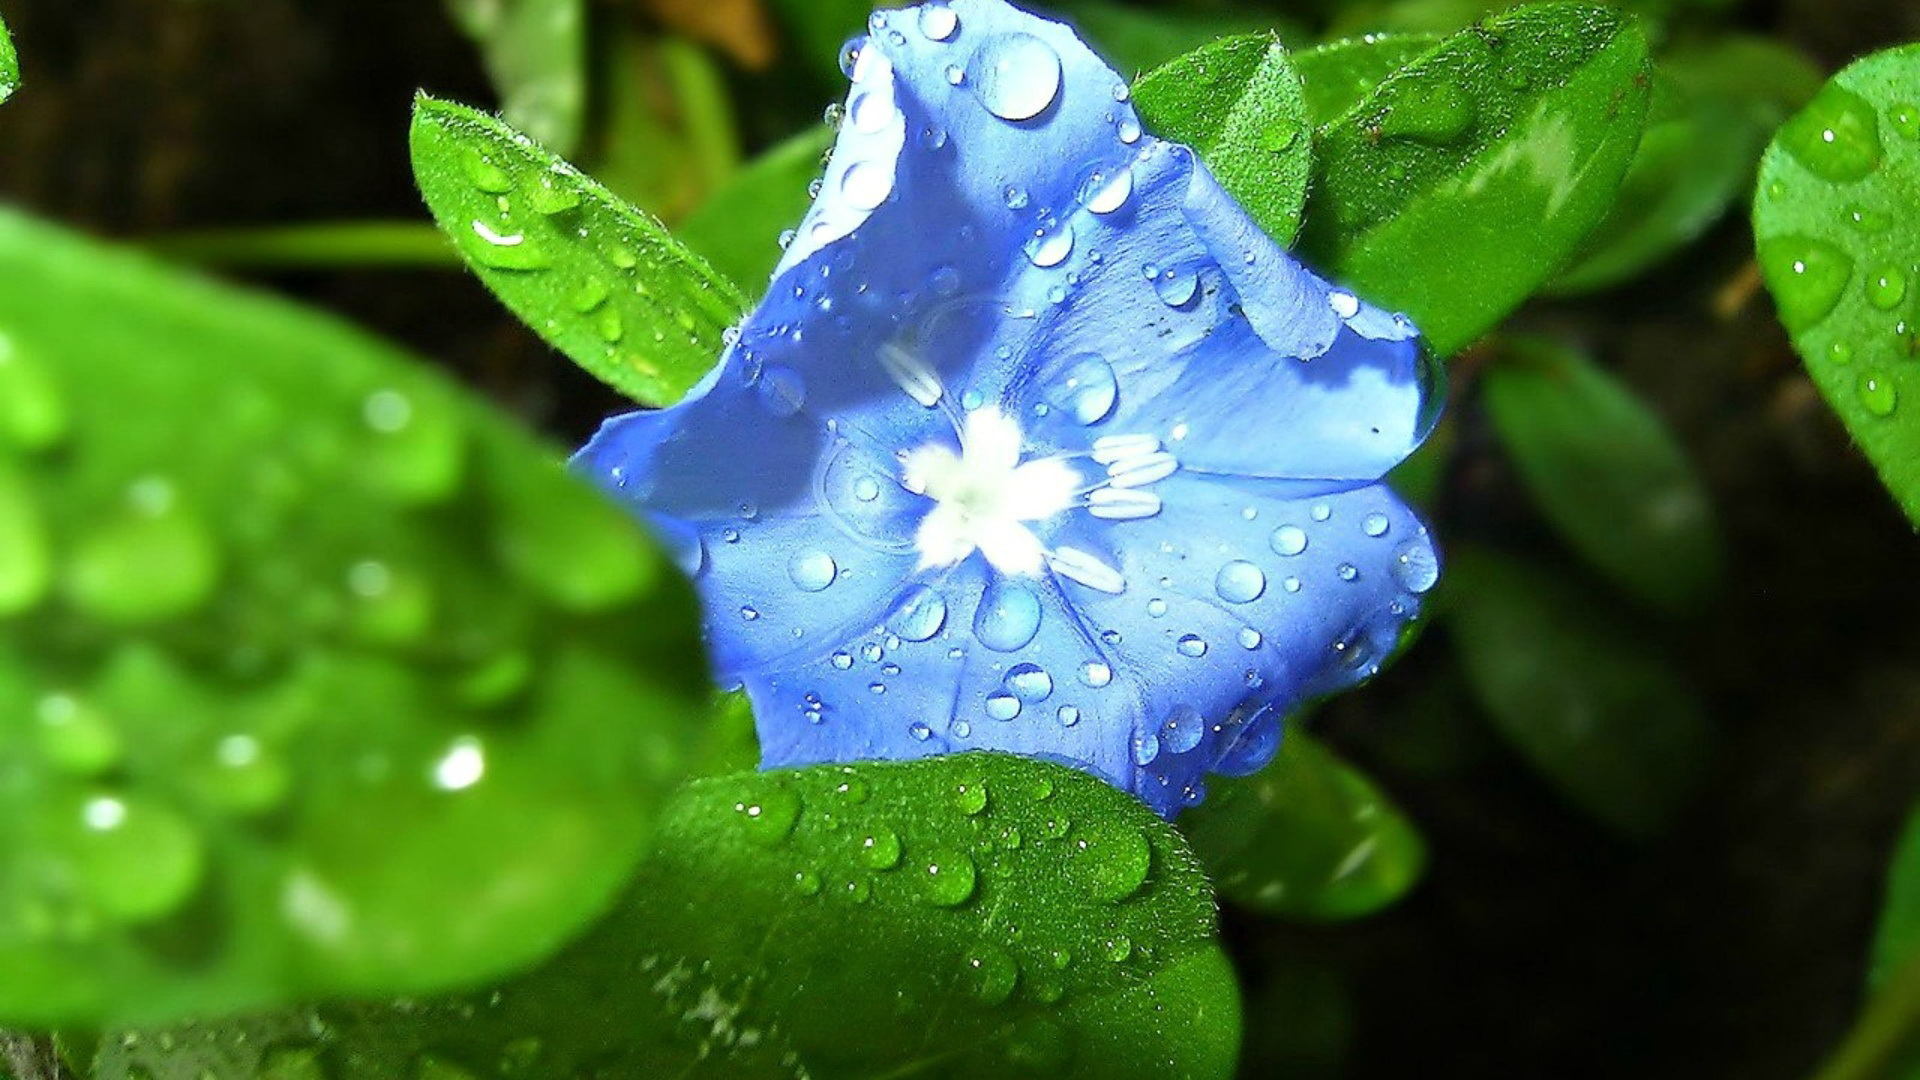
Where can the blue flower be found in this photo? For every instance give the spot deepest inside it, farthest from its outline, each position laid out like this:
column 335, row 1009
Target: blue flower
column 1036, row 443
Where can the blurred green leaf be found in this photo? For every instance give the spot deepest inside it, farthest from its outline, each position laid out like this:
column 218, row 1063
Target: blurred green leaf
column 1713, row 110
column 817, row 30
column 1603, row 715
column 1309, row 837
column 668, row 134
column 1840, row 250
column 601, row 281
column 306, row 659
column 1238, row 103
column 1338, row 74
column 1462, row 182
column 989, row 915
column 1420, row 477
column 9, row 64
column 738, row 228
column 1898, row 940
column 1412, row 16
column 1606, row 472
column 536, row 54
column 1138, row 40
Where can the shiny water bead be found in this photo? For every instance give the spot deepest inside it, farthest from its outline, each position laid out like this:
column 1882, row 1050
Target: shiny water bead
column 812, row 571
column 1017, row 76
column 1240, row 582
column 1009, row 616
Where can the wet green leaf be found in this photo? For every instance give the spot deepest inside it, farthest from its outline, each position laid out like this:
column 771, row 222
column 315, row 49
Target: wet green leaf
column 1579, row 691
column 1713, row 110
column 536, row 54
column 1338, row 74
column 1840, row 250
column 1137, row 40
column 306, row 659
column 961, row 916
column 1412, row 16
column 1606, row 472
column 1309, row 837
column 9, row 65
column 1238, row 102
column 601, row 281
column 1460, row 184
column 1897, row 942
column 738, row 228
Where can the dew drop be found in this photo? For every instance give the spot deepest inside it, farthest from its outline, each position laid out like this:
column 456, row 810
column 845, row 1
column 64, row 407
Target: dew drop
column 842, row 660
column 1182, row 730
column 1868, row 220
column 970, row 797
column 1240, row 582
column 1111, row 860
column 920, row 731
column 33, row 412
column 782, row 390
column 1051, row 247
column 1886, row 287
column 1016, row 75
column 866, row 489
column 26, row 558
column 155, row 563
column 1437, row 112
column 938, row 22
column 1030, row 682
column 769, row 817
column 921, row 615
column 1416, row 568
column 1836, row 136
column 1104, row 194
column 485, row 175
column 504, row 250
column 1095, row 674
column 1175, row 286
column 1129, row 131
column 1877, row 395
column 1087, row 389
column 1146, row 747
column 1067, row 715
column 950, row 878
column 1192, row 645
column 1250, row 638
column 806, row 883
column 75, row 737
column 992, row 973
column 1808, row 277
column 1003, row 707
column 135, row 860
column 1904, row 119
column 1349, row 572
column 880, row 849
column 1289, row 540
column 870, row 112
column 1008, row 617
column 812, row 571
column 1375, row 525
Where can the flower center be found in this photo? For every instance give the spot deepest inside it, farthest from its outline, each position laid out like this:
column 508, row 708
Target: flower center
column 984, row 495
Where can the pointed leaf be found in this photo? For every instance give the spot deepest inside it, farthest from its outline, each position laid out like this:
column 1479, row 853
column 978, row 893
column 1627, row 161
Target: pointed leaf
column 1137, row 40
column 1840, row 250
column 738, row 228
column 1460, row 184
column 1600, row 713
column 1338, row 74
column 1239, row 103
column 306, row 659
column 601, row 281
column 1606, row 472
column 536, row 54
column 1309, row 837
column 960, row 916
column 9, row 65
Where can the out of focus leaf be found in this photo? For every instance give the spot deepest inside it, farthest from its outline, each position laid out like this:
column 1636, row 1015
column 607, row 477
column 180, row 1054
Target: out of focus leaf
column 1713, row 110
column 741, row 28
column 602, row 282
column 1898, row 940
column 1463, row 181
column 1136, row 40
column 1309, row 837
column 306, row 659
column 1603, row 715
column 9, row 65
column 536, row 54
column 1840, row 250
column 818, row 28
column 738, row 228
column 1606, row 472
column 1338, row 74
column 1418, row 479
column 668, row 137
column 1238, row 102
column 961, row 916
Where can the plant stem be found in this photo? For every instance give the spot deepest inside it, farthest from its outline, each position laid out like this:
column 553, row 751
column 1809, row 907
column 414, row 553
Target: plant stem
column 326, row 245
column 1885, row 1038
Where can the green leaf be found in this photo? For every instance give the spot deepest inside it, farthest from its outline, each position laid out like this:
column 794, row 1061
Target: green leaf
column 738, row 228
column 306, row 659
column 1340, row 73
column 668, row 133
column 601, row 281
column 536, row 54
column 1136, row 40
column 1578, row 691
column 1239, row 103
column 1840, row 250
column 961, row 916
column 1713, row 110
column 9, row 64
column 1897, row 942
column 1606, row 472
column 818, row 29
column 1462, row 182
column 1309, row 837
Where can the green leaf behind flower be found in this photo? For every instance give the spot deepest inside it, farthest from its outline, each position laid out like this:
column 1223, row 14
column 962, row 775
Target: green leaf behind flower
column 1462, row 182
column 962, row 916
column 599, row 280
column 1340, row 73
column 307, row 660
column 737, row 229
column 1840, row 251
column 535, row 52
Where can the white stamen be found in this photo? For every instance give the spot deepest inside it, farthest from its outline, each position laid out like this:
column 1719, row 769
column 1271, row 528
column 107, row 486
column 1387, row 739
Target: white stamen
column 1087, row 569
column 1141, row 471
column 912, row 374
column 1122, row 504
column 1111, row 448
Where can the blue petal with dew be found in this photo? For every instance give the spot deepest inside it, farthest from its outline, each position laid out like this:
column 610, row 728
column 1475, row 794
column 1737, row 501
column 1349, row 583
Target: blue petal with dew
column 995, row 233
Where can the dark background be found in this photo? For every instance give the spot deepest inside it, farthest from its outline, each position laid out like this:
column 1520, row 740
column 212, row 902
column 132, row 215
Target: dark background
column 1539, row 944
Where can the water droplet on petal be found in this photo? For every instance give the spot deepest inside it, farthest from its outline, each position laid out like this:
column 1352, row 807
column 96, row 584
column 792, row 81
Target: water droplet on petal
column 1250, row 638
column 921, row 614
column 1068, row 716
column 1146, row 747
column 1009, row 616
column 1096, row 674
column 880, row 849
column 1416, row 568
column 1016, row 75
column 1182, row 729
column 812, row 571
column 1192, row 645
column 1030, row 682
column 1176, row 286
column 1086, row 389
column 1106, row 193
column 1289, row 540
column 938, row 22
column 866, row 184
column 1240, row 582
column 782, row 390
column 1003, row 706
column 1051, row 247
column 870, row 111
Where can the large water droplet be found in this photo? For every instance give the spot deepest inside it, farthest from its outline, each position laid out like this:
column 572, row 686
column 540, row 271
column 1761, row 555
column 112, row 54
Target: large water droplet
column 812, row 571
column 156, row 562
column 1095, row 674
column 135, row 860
column 1085, row 389
column 1009, row 616
column 1437, row 111
column 1886, row 287
column 1808, row 276
column 920, row 616
column 1182, row 729
column 1176, row 286
column 992, row 973
column 1878, row 395
column 503, row 248
column 938, row 21
column 76, row 737
column 1050, row 247
column 1192, row 645
column 1836, row 136
column 1111, row 860
column 782, row 390
column 866, row 184
column 950, row 877
column 1416, row 568
column 880, row 849
column 768, row 817
column 1029, row 682
column 1002, row 706
column 1146, row 747
column 1016, row 75
column 1240, row 582
column 1288, row 540
column 1105, row 193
